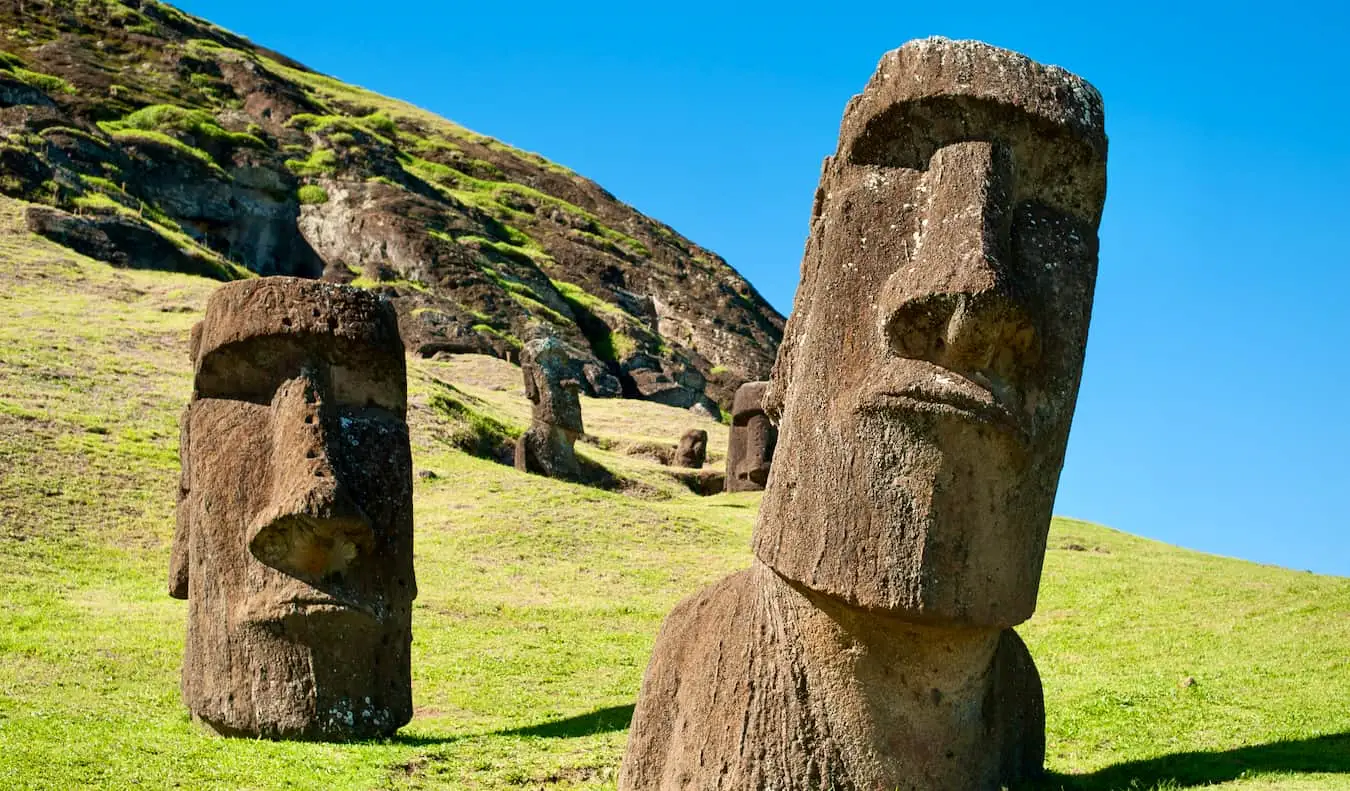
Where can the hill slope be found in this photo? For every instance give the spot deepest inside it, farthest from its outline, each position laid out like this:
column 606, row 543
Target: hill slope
column 540, row 601
column 177, row 145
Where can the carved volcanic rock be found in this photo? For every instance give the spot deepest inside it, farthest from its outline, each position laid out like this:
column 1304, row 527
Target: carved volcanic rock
column 147, row 121
column 294, row 544
column 924, row 394
column 555, row 423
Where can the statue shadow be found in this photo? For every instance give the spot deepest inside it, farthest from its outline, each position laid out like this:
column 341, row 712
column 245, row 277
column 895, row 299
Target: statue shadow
column 614, row 718
column 1321, row 754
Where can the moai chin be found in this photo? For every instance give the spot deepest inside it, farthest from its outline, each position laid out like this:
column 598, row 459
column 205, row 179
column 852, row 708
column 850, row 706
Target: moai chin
column 546, row 447
column 923, row 393
column 692, row 450
column 751, row 443
column 294, row 544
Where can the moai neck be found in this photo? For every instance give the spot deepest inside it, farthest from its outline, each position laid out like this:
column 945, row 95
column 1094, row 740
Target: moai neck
column 930, row 702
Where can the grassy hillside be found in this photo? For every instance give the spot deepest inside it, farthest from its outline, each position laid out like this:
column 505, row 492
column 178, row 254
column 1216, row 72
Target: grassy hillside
column 158, row 140
column 540, row 600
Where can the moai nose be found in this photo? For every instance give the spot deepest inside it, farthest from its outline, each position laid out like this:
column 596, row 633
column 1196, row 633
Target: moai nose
column 311, row 529
column 952, row 303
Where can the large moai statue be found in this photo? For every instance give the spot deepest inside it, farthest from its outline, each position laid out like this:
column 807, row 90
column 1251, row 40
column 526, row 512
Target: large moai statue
column 925, row 388
column 752, row 440
column 546, row 447
column 294, row 545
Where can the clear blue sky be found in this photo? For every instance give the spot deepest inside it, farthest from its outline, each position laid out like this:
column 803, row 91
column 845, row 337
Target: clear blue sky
column 1214, row 412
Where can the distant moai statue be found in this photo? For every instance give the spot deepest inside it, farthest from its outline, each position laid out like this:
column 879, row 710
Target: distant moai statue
column 924, row 389
column 693, row 449
column 546, row 447
column 294, row 544
column 751, row 443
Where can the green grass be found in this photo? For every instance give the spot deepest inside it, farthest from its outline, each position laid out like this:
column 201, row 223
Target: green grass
column 48, row 83
column 611, row 331
column 169, row 119
column 312, row 194
column 320, row 162
column 539, row 600
column 152, row 138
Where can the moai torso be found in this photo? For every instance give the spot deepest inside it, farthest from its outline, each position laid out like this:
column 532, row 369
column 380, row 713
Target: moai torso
column 751, row 443
column 547, row 446
column 294, row 538
column 923, row 390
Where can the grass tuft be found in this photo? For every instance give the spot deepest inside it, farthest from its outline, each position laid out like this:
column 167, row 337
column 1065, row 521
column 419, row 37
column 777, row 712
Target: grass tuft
column 312, row 195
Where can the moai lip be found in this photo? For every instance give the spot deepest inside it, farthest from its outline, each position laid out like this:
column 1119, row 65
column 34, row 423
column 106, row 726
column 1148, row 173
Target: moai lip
column 295, row 523
column 923, row 394
column 547, row 446
column 752, row 440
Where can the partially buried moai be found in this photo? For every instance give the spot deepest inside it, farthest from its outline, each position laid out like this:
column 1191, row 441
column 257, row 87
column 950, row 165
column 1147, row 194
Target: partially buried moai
column 925, row 386
column 692, row 450
column 294, row 545
column 546, row 447
column 751, row 442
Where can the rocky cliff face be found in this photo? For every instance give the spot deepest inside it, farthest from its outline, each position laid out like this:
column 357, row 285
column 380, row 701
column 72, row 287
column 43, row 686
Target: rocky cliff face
column 156, row 139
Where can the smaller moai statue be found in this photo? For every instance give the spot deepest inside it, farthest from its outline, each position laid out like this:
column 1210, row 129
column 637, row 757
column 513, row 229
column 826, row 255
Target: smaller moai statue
column 294, row 542
column 693, row 449
column 752, row 441
column 546, row 448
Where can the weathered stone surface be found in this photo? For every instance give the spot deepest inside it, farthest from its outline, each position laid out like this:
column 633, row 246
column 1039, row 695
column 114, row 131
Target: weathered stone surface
column 693, row 449
column 546, row 447
column 106, row 236
column 924, row 392
column 294, row 537
column 759, row 684
column 752, row 440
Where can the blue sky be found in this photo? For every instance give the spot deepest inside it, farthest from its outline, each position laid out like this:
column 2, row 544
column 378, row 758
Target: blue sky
column 1214, row 411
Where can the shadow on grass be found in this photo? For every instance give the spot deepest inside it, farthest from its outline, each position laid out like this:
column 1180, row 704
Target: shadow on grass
column 614, row 718
column 1329, row 754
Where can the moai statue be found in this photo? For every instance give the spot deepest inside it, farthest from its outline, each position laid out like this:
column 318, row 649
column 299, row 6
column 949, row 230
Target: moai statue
column 752, row 440
column 693, row 449
column 546, row 447
column 294, row 545
column 925, row 388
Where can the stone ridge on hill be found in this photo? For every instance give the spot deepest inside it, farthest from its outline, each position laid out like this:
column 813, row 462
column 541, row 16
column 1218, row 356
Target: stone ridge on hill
column 158, row 140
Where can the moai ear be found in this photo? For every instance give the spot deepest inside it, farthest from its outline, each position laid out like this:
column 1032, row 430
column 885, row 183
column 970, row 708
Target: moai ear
column 195, row 342
column 178, row 555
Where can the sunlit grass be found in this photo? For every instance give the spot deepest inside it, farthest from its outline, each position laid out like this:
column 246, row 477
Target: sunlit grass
column 539, row 600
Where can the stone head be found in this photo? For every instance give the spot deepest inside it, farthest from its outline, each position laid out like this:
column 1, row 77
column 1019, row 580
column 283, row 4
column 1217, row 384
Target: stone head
column 693, row 449
column 752, row 439
column 295, row 525
column 927, row 379
column 550, row 386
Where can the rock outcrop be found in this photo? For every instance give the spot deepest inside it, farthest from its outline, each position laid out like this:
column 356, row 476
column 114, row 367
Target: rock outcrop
column 924, row 392
column 185, row 147
column 295, row 522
